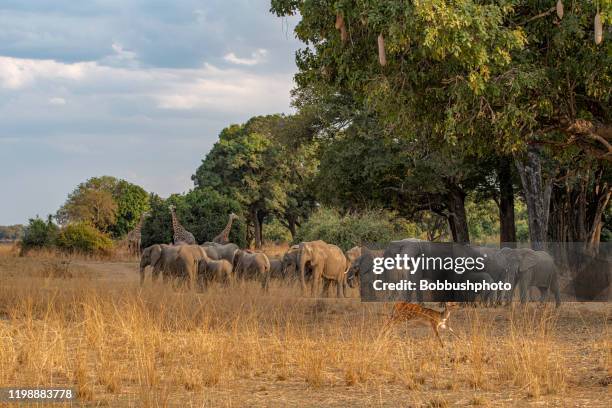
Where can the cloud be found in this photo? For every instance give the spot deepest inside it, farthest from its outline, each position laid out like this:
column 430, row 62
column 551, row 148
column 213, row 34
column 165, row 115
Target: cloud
column 15, row 73
column 257, row 57
column 57, row 101
column 207, row 88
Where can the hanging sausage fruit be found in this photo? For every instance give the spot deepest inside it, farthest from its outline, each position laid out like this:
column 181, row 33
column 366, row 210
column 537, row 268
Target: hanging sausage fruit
column 340, row 26
column 598, row 29
column 382, row 57
column 559, row 9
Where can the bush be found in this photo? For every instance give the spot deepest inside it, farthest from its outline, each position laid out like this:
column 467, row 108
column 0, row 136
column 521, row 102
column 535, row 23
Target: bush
column 39, row 234
column 371, row 227
column 83, row 237
column 275, row 232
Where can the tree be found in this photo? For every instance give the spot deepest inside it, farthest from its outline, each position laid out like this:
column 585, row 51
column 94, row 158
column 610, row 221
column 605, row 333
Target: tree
column 109, row 204
column 485, row 77
column 249, row 164
column 88, row 205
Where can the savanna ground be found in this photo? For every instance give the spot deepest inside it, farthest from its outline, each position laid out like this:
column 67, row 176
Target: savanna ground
column 85, row 323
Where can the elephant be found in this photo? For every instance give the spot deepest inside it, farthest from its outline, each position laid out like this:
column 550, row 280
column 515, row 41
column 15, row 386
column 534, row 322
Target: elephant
column 210, row 270
column 290, row 263
column 185, row 263
column 151, row 256
column 220, row 251
column 533, row 268
column 498, row 266
column 327, row 262
column 360, row 265
column 352, row 254
column 252, row 265
column 276, row 269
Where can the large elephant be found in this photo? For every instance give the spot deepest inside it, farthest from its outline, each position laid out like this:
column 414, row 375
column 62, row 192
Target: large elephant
column 210, row 270
column 327, row 263
column 252, row 265
column 185, row 263
column 533, row 268
column 220, row 251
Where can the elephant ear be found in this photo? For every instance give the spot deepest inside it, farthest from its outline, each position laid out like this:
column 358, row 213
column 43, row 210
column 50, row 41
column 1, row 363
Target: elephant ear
column 529, row 259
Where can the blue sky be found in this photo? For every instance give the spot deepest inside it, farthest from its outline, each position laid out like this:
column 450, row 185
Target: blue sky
column 137, row 89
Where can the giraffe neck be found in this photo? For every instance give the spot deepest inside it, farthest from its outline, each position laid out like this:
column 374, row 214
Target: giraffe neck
column 176, row 226
column 228, row 227
column 138, row 226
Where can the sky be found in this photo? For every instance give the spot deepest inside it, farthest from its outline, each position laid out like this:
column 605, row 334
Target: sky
column 136, row 89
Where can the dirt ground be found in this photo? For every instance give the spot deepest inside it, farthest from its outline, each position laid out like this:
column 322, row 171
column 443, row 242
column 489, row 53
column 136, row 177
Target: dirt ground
column 87, row 324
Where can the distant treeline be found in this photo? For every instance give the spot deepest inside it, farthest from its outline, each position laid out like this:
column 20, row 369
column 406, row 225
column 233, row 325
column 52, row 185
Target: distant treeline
column 11, row 232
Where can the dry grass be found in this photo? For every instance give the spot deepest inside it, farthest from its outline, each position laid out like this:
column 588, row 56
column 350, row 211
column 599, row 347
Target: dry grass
column 121, row 345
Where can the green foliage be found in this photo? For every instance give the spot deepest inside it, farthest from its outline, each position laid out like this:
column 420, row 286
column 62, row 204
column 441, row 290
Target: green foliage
column 11, row 232
column 204, row 212
column 249, row 163
column 83, row 237
column 157, row 227
column 370, row 227
column 483, row 221
column 109, row 204
column 275, row 232
column 39, row 234
column 521, row 221
column 132, row 201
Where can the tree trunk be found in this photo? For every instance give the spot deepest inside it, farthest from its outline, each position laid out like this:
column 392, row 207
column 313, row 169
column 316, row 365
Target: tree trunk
column 537, row 196
column 292, row 228
column 257, row 227
column 457, row 217
column 507, row 230
column 260, row 221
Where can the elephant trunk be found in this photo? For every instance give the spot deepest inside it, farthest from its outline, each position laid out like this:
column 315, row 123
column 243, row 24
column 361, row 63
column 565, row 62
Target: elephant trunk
column 302, row 268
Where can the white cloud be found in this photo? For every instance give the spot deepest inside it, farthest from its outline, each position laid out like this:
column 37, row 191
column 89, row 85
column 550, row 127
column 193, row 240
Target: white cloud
column 227, row 90
column 121, row 57
column 57, row 101
column 15, row 73
column 257, row 57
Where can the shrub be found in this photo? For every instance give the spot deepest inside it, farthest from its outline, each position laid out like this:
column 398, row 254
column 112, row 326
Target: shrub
column 275, row 232
column 83, row 237
column 370, row 227
column 39, row 234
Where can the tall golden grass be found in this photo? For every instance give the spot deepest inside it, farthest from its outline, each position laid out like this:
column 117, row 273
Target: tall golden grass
column 120, row 344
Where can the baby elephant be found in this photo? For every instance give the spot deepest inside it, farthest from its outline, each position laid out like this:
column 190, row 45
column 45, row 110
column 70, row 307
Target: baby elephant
column 214, row 270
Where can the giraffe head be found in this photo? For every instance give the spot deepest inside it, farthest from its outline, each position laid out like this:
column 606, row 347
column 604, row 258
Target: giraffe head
column 233, row 216
column 171, row 207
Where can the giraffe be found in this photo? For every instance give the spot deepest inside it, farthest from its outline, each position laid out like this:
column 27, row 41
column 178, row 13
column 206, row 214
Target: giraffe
column 181, row 235
column 223, row 237
column 134, row 236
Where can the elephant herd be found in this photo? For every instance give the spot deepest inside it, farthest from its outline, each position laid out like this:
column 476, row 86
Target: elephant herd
column 202, row 264
column 317, row 262
column 521, row 267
